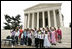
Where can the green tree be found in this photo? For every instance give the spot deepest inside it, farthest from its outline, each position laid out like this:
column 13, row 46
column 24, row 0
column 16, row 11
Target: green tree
column 12, row 22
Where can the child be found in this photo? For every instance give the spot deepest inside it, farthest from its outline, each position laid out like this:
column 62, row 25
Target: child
column 16, row 36
column 53, row 36
column 13, row 32
column 39, row 34
column 24, row 37
column 46, row 40
column 32, row 31
column 36, row 39
column 41, row 40
column 27, row 31
column 13, row 38
column 49, row 35
column 43, row 31
column 59, row 35
column 49, row 32
column 29, row 38
column 21, row 31
column 56, row 34
column 21, row 39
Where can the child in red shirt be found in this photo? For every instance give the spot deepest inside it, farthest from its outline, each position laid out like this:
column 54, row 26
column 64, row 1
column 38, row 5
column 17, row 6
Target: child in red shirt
column 21, row 31
column 59, row 34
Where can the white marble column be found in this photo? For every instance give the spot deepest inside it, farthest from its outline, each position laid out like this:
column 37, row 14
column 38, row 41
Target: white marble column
column 37, row 20
column 28, row 19
column 54, row 14
column 24, row 21
column 60, row 16
column 32, row 20
column 43, row 18
column 49, row 22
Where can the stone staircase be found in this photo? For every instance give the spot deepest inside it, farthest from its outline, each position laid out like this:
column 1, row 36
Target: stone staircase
column 66, row 40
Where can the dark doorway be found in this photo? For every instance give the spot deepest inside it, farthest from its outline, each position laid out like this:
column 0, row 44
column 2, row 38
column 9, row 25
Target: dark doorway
column 40, row 19
column 46, row 18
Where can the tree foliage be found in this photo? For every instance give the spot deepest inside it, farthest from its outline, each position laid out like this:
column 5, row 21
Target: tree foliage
column 12, row 22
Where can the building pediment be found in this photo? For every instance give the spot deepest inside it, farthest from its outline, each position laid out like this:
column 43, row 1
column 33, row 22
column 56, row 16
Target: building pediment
column 43, row 5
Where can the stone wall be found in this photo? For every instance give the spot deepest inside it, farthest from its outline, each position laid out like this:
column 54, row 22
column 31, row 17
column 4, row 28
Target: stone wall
column 5, row 33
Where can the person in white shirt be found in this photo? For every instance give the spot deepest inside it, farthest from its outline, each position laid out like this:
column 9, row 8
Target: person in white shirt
column 41, row 39
column 36, row 39
column 43, row 30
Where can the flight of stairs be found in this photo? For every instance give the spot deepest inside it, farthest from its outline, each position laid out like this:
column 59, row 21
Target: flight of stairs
column 66, row 39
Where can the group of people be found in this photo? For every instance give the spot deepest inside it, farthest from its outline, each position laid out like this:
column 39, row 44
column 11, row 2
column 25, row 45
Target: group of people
column 43, row 37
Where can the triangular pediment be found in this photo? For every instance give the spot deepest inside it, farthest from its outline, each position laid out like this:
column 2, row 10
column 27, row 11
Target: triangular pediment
column 43, row 5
